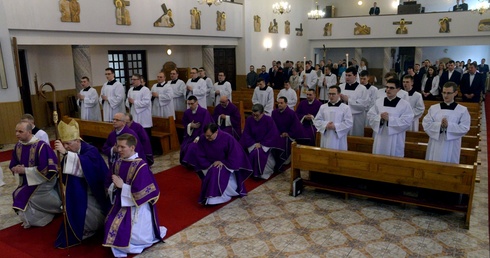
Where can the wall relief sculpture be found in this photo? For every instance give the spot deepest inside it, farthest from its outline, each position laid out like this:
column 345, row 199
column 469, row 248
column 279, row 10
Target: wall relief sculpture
column 166, row 20
column 70, row 10
column 195, row 19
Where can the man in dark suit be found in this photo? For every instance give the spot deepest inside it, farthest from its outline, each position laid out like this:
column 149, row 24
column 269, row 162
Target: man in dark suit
column 460, row 7
column 374, row 10
column 449, row 75
column 483, row 68
column 472, row 84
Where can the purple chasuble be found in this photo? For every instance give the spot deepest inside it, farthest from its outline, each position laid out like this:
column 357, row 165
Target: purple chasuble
column 112, row 140
column 95, row 172
column 231, row 110
column 145, row 141
column 36, row 154
column 287, row 122
column 264, row 132
column 144, row 188
column 202, row 116
column 305, row 108
column 227, row 150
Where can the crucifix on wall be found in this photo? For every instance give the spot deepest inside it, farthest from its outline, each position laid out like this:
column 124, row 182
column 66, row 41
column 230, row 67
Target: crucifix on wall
column 299, row 31
column 402, row 29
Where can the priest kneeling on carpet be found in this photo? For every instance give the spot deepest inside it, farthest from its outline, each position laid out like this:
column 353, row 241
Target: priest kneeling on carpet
column 221, row 163
column 132, row 223
column 84, row 172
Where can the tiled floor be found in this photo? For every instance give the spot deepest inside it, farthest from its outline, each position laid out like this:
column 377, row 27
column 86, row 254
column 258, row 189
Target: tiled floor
column 270, row 223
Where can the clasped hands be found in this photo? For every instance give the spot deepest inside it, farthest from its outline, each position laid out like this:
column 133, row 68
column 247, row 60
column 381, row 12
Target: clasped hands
column 444, row 123
column 117, row 180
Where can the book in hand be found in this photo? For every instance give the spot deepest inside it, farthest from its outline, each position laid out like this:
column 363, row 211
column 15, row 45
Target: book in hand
column 297, row 186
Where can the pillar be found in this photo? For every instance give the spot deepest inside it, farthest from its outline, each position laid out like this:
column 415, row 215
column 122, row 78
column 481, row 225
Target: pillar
column 418, row 56
column 81, row 63
column 387, row 61
column 358, row 55
column 208, row 61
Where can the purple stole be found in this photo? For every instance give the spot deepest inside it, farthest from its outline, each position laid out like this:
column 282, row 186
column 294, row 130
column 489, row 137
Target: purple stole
column 231, row 110
column 304, row 108
column 227, row 150
column 117, row 231
column 264, row 132
column 37, row 154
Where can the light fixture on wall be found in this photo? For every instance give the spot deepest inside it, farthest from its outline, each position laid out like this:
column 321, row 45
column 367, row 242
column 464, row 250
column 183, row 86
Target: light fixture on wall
column 283, row 44
column 267, row 44
column 281, row 7
column 210, row 2
column 359, row 3
column 482, row 7
column 169, row 52
column 316, row 14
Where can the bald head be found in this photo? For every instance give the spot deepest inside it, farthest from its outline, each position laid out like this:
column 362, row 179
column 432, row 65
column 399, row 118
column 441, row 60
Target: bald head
column 223, row 101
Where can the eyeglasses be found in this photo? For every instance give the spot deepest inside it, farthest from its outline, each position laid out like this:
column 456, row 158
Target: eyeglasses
column 390, row 88
column 191, row 103
column 332, row 94
column 447, row 93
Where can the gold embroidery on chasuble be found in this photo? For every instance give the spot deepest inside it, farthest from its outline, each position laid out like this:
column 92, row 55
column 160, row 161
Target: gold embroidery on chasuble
column 116, row 223
column 143, row 193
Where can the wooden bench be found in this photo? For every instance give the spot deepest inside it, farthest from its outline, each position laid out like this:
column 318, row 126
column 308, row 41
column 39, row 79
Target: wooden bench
column 164, row 128
column 467, row 141
column 472, row 107
column 92, row 128
column 406, row 172
column 469, row 156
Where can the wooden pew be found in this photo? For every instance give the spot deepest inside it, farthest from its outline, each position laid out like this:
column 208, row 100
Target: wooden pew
column 473, row 107
column 164, row 128
column 469, row 156
column 468, row 141
column 399, row 172
column 91, row 128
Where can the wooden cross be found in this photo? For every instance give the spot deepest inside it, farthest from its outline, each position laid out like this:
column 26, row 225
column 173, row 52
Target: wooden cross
column 299, row 31
column 401, row 28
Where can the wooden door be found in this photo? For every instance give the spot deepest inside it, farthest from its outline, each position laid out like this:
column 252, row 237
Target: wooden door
column 225, row 61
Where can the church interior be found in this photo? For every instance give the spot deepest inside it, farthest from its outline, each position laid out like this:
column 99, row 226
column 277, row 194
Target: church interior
column 38, row 44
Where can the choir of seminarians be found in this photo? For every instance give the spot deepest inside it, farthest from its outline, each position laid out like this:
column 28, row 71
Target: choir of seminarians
column 221, row 155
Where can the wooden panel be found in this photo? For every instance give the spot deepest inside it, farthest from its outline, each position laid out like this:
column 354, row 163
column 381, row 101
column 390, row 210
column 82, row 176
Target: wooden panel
column 10, row 113
column 40, row 107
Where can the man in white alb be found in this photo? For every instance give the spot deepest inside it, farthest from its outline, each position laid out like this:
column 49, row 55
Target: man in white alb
column 209, row 86
column 222, row 88
column 290, row 95
column 355, row 95
column 88, row 101
column 416, row 102
column 162, row 97
column 328, row 81
column 264, row 95
column 178, row 88
column 196, row 87
column 139, row 103
column 308, row 79
column 112, row 96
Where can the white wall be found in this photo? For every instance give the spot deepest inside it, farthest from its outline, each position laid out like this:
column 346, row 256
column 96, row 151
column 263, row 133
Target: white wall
column 297, row 46
column 99, row 16
column 55, row 63
column 11, row 94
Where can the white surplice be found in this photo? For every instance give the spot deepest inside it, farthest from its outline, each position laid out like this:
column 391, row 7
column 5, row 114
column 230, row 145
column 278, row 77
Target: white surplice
column 341, row 116
column 290, row 95
column 178, row 89
column 163, row 105
column 418, row 108
column 89, row 106
column 445, row 145
column 389, row 136
column 224, row 89
column 141, row 108
column 115, row 100
column 358, row 102
column 199, row 90
column 264, row 97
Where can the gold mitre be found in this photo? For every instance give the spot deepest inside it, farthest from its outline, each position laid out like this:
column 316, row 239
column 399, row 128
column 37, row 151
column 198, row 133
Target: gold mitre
column 68, row 132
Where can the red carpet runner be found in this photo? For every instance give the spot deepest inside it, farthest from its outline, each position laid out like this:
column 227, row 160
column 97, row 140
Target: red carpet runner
column 177, row 209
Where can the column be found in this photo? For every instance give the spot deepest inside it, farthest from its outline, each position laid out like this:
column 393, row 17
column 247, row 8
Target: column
column 208, row 61
column 81, row 63
column 418, row 56
column 358, row 55
column 387, row 62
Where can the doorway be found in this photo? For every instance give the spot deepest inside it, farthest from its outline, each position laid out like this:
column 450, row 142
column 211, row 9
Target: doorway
column 225, row 61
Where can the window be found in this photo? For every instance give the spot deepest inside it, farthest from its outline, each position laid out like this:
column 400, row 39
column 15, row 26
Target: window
column 126, row 63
